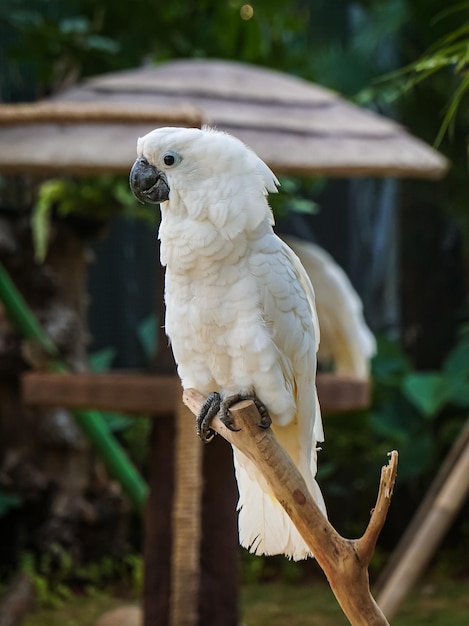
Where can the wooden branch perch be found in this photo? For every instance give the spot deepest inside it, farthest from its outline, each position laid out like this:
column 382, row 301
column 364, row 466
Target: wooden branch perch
column 344, row 561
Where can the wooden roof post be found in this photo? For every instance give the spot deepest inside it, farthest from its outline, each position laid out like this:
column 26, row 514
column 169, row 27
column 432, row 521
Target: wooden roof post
column 185, row 574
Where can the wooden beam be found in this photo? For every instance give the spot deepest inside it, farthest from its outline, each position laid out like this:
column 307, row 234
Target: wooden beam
column 186, row 523
column 126, row 393
column 219, row 551
column 434, row 517
column 158, row 530
column 160, row 395
column 424, row 510
column 342, row 393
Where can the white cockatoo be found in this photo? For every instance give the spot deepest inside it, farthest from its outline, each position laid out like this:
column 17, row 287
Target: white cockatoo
column 346, row 340
column 240, row 311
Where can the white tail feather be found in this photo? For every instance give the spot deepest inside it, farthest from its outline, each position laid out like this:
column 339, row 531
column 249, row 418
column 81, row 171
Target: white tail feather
column 264, row 526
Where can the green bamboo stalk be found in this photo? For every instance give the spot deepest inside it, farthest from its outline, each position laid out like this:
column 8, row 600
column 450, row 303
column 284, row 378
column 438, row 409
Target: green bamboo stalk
column 21, row 314
column 91, row 422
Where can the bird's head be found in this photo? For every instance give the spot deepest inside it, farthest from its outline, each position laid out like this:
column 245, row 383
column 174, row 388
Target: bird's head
column 207, row 171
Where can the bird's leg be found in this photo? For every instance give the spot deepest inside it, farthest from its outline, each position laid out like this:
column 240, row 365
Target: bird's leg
column 225, row 415
column 214, row 404
column 207, row 412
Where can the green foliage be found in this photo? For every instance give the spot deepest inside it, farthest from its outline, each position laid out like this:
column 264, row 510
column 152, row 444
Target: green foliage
column 59, row 41
column 294, row 194
column 430, row 392
column 427, row 391
column 55, row 43
column 135, row 438
column 55, row 574
column 147, row 332
column 450, row 52
column 257, row 569
column 104, row 573
column 354, row 43
column 101, row 360
column 48, row 578
column 417, row 413
column 413, row 410
column 81, row 37
column 95, row 198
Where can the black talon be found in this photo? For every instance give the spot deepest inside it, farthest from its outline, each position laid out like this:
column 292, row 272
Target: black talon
column 225, row 414
column 266, row 420
column 214, row 404
column 207, row 412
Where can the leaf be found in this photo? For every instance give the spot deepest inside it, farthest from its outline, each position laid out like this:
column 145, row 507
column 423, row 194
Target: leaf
column 416, row 456
column 453, row 107
column 116, row 422
column 390, row 362
column 104, row 44
column 427, row 391
column 460, row 6
column 456, row 370
column 40, row 227
column 302, row 205
column 384, row 425
column 50, row 193
column 457, row 362
column 74, row 25
column 396, row 419
column 459, row 390
column 101, row 360
column 147, row 333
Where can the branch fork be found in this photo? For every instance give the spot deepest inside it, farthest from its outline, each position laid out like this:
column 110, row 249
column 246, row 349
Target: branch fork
column 344, row 561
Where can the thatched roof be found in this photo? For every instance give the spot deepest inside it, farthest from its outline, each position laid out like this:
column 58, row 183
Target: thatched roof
column 62, row 137
column 294, row 125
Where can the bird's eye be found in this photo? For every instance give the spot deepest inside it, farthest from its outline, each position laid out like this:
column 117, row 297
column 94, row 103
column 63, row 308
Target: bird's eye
column 171, row 158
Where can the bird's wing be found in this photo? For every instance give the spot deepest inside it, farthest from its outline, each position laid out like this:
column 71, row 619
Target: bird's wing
column 286, row 301
column 288, row 309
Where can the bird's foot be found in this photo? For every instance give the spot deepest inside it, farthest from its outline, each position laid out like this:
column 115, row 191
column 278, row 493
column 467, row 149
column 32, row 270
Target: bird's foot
column 227, row 403
column 207, row 412
column 214, row 404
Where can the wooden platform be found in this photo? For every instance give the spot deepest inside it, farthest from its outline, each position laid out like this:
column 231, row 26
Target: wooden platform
column 159, row 395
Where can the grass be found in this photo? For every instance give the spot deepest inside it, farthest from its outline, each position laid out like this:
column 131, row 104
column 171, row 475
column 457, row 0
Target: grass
column 273, row 604
column 443, row 603
column 434, row 603
column 76, row 611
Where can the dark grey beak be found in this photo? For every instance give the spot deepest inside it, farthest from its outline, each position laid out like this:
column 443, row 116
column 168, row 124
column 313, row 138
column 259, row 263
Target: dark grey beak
column 148, row 183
